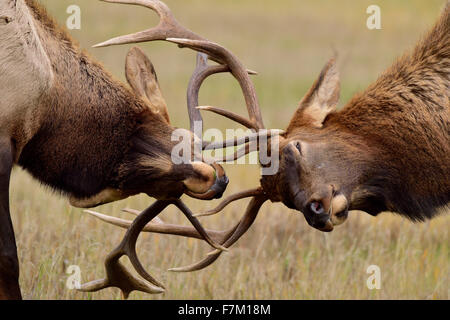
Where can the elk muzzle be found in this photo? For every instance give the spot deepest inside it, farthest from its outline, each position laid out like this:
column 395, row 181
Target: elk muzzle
column 210, row 183
column 315, row 214
column 324, row 214
column 325, row 208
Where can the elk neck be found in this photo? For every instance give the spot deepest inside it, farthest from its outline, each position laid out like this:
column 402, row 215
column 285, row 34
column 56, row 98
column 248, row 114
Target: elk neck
column 404, row 119
column 86, row 123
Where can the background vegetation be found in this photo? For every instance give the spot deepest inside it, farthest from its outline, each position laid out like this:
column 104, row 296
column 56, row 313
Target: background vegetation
column 281, row 257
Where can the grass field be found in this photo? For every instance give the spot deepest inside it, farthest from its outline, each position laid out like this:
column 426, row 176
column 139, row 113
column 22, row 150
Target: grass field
column 280, row 257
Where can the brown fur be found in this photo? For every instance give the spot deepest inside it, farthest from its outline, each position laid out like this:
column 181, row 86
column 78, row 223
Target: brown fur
column 80, row 131
column 389, row 148
column 93, row 133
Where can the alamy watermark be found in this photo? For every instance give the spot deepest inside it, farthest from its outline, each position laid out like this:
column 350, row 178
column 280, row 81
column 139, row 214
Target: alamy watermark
column 74, row 20
column 74, row 279
column 374, row 280
column 374, row 20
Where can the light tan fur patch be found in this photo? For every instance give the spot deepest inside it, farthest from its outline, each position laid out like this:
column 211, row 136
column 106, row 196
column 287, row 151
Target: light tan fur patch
column 338, row 204
column 25, row 71
column 105, row 196
column 203, row 183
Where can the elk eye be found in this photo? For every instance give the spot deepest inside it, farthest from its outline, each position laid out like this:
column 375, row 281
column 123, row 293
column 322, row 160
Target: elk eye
column 298, row 146
column 317, row 207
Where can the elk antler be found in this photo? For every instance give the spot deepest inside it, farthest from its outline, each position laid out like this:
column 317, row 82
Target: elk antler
column 239, row 72
column 242, row 227
column 169, row 29
column 201, row 72
column 118, row 276
column 225, row 238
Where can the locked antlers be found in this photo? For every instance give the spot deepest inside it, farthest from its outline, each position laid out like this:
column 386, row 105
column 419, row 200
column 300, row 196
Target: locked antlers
column 226, row 238
column 170, row 30
column 118, row 276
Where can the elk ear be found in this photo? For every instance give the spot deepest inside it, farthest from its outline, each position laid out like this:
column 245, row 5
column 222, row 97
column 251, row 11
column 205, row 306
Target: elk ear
column 321, row 99
column 142, row 78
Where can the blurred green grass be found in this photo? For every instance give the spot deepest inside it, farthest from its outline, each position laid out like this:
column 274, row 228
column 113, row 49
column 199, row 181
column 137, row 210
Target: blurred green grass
column 287, row 42
column 281, row 257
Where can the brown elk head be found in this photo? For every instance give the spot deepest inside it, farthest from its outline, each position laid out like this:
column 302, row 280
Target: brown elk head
column 310, row 177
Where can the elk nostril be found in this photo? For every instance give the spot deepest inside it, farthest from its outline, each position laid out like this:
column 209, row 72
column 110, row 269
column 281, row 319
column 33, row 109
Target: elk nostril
column 317, row 207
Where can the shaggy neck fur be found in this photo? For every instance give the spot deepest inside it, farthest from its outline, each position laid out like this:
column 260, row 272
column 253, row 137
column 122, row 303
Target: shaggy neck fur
column 86, row 122
column 405, row 115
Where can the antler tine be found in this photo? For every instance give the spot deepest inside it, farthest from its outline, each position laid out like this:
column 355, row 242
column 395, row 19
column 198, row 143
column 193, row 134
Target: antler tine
column 167, row 27
column 230, row 199
column 207, row 145
column 241, row 152
column 230, row 115
column 194, row 221
column 237, row 69
column 156, row 220
column 116, row 274
column 201, row 72
column 245, row 223
column 161, row 227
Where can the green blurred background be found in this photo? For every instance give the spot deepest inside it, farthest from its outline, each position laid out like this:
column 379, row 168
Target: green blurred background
column 287, row 42
column 281, row 257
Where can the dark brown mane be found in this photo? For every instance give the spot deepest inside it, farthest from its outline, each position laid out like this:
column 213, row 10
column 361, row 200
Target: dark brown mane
column 403, row 113
column 85, row 96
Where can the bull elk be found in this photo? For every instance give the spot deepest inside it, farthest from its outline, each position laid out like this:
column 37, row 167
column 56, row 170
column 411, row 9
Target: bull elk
column 388, row 149
column 72, row 126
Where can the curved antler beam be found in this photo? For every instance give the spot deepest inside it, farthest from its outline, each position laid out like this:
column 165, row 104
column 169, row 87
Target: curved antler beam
column 236, row 68
column 116, row 273
column 245, row 223
column 170, row 29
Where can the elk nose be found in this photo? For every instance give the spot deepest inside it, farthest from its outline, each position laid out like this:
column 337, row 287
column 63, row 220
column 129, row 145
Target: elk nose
column 221, row 183
column 319, row 217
